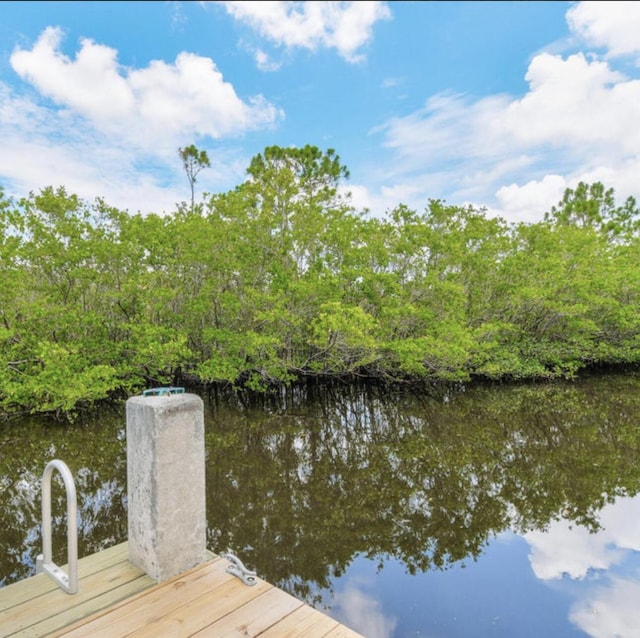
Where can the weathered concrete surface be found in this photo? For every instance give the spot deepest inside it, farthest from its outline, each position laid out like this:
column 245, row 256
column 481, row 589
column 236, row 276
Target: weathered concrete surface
column 166, row 483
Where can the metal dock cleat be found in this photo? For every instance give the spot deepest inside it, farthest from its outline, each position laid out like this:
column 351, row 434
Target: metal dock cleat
column 238, row 569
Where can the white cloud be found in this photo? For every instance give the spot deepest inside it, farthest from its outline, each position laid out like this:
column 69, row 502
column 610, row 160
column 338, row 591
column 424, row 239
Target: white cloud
column 61, row 149
column 573, row 550
column 576, row 105
column 390, row 83
column 361, row 612
column 526, row 202
column 572, row 105
column 448, row 127
column 345, row 26
column 264, row 61
column 160, row 105
column 386, row 199
column 612, row 25
column 610, row 611
column 100, row 122
column 91, row 84
column 608, row 605
column 577, row 122
column 566, row 550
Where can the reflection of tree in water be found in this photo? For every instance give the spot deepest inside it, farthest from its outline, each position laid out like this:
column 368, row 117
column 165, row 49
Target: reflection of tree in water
column 96, row 456
column 300, row 484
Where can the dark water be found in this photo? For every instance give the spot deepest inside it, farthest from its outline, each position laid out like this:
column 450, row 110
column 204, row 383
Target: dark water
column 492, row 511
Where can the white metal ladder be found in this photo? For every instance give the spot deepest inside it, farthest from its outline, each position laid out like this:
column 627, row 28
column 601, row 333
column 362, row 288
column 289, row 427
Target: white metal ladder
column 44, row 562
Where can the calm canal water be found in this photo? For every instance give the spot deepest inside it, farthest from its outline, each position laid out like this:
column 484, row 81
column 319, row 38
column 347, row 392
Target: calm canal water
column 504, row 511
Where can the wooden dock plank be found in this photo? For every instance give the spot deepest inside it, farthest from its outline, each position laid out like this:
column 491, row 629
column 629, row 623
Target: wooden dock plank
column 43, row 607
column 34, row 586
column 25, row 590
column 145, row 609
column 117, row 599
column 253, row 618
column 200, row 612
column 48, row 626
column 50, row 602
column 304, row 622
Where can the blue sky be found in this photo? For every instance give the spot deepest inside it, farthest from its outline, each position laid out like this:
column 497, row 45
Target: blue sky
column 501, row 105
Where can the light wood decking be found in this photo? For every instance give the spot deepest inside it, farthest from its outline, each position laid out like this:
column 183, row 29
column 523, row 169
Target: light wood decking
column 116, row 599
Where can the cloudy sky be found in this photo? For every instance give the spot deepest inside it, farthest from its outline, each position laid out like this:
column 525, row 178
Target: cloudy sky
column 498, row 104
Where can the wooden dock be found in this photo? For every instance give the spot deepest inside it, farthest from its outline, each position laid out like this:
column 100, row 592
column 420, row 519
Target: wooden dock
column 116, row 599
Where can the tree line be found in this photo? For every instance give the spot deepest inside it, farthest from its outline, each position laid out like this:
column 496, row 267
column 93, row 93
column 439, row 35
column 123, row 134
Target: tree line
column 282, row 279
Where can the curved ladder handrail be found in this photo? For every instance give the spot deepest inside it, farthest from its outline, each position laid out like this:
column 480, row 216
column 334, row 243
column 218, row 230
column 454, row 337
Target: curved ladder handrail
column 44, row 562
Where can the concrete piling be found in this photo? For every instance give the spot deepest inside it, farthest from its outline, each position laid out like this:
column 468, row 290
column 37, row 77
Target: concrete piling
column 166, row 483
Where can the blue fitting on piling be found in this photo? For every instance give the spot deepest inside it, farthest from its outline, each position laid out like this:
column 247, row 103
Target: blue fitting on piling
column 155, row 392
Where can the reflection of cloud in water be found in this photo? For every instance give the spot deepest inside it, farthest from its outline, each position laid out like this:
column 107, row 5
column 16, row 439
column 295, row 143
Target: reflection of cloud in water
column 363, row 614
column 570, row 549
column 610, row 611
column 563, row 550
column 608, row 605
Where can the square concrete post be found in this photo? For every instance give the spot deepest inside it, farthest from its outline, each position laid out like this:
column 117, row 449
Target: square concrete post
column 166, row 483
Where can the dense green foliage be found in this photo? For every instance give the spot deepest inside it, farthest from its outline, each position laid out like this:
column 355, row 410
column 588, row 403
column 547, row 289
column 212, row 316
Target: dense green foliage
column 281, row 278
